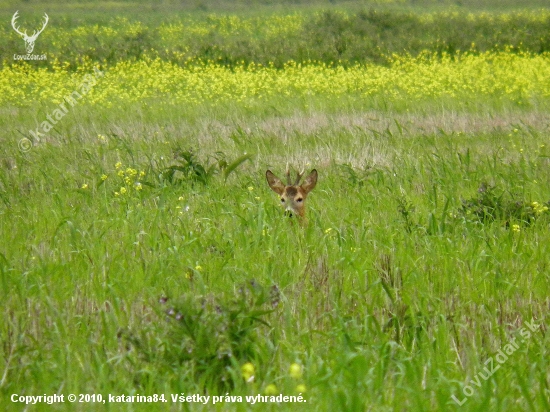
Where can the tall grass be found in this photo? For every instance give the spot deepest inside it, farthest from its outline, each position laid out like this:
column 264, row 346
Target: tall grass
column 142, row 251
column 382, row 308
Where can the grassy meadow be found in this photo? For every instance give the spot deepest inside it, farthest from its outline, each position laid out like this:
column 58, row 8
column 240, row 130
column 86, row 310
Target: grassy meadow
column 143, row 253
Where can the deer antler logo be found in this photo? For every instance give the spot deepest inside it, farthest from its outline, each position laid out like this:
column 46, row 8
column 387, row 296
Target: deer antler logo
column 29, row 40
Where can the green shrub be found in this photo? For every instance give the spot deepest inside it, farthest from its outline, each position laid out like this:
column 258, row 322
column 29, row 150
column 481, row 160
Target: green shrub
column 491, row 204
column 212, row 336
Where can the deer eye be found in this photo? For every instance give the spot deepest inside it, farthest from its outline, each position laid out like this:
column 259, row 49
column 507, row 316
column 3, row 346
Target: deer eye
column 299, row 200
column 282, row 200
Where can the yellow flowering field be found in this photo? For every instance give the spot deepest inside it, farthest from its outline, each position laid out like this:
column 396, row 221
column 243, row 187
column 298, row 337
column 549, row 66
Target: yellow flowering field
column 512, row 77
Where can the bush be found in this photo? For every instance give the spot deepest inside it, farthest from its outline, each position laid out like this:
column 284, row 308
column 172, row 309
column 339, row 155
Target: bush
column 491, row 204
column 212, row 336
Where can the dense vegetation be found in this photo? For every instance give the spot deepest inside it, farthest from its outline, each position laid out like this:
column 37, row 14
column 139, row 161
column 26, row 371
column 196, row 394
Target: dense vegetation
column 142, row 252
column 346, row 38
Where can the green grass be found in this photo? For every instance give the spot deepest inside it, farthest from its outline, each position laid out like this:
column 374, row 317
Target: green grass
column 425, row 254
column 392, row 297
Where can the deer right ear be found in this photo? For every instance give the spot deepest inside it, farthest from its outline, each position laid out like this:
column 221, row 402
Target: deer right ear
column 275, row 183
column 310, row 181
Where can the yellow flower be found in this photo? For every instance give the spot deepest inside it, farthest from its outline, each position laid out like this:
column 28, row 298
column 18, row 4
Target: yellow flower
column 426, row 76
column 84, row 186
column 251, row 188
column 118, row 165
column 120, row 173
column 199, row 268
column 301, row 388
column 139, row 186
column 123, row 190
column 104, row 177
column 328, row 230
column 295, row 371
column 516, row 228
column 271, row 389
column 180, row 198
column 538, row 208
column 247, row 371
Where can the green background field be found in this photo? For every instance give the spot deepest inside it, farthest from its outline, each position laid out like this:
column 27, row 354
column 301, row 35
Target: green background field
column 142, row 252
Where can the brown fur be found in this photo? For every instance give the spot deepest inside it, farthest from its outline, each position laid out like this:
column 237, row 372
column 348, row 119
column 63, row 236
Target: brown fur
column 293, row 196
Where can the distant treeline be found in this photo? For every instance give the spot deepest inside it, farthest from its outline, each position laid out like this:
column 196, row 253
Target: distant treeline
column 331, row 37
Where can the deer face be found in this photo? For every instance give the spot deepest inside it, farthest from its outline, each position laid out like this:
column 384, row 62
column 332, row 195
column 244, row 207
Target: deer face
column 293, row 196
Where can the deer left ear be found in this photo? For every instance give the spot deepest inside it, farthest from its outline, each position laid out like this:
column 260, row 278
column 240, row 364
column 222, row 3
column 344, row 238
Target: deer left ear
column 275, row 183
column 310, row 182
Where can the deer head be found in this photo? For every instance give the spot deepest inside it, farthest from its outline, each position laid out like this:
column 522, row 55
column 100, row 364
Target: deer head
column 29, row 40
column 293, row 195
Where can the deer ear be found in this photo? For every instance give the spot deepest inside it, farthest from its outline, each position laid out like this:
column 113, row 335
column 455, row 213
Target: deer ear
column 275, row 183
column 310, row 182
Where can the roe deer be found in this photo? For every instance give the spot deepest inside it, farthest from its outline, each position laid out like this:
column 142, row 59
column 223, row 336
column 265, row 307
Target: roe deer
column 293, row 196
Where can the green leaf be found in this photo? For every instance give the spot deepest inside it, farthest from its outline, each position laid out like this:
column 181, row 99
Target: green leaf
column 236, row 163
